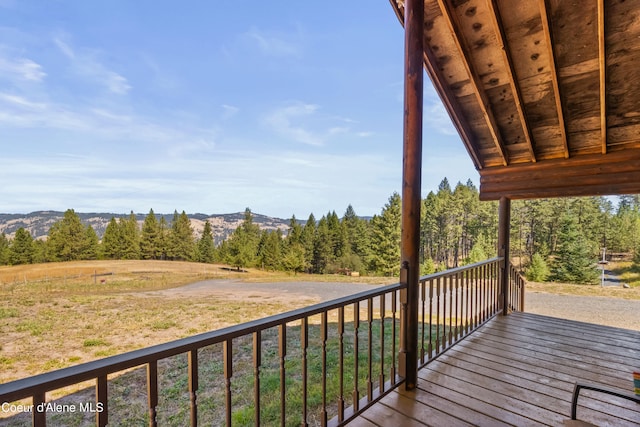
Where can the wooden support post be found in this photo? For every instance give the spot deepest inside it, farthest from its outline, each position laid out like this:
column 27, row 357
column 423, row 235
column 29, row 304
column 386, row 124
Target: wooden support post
column 504, row 220
column 411, row 190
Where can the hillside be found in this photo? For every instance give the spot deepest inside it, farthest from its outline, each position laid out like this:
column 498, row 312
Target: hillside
column 38, row 223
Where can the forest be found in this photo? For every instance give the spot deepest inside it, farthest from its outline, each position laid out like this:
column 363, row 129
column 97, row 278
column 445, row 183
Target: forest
column 551, row 239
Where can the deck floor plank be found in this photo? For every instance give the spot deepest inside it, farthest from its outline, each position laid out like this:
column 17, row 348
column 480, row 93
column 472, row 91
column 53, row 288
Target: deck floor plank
column 520, row 370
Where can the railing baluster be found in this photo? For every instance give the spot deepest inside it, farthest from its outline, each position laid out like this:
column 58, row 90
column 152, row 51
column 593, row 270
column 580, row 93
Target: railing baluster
column 227, row 351
column 438, row 315
column 370, row 349
column 282, row 351
column 102, row 416
column 257, row 364
column 304, row 343
column 450, row 311
column 356, row 344
column 430, row 317
column 423, row 298
column 193, row 386
column 341, row 363
column 323, row 337
column 394, row 303
column 152, row 392
column 467, row 316
column 39, row 418
column 456, row 285
column 382, row 334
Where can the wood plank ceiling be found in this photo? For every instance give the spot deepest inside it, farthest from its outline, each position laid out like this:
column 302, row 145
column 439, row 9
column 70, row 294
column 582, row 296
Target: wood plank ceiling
column 545, row 94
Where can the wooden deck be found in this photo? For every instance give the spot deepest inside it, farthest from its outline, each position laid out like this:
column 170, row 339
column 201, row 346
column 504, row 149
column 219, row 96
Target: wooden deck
column 520, row 370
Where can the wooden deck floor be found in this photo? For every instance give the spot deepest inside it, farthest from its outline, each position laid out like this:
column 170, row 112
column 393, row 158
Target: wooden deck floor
column 520, row 370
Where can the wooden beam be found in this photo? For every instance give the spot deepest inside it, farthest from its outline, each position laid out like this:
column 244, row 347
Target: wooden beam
column 515, row 87
column 411, row 191
column 483, row 101
column 593, row 175
column 544, row 16
column 603, row 75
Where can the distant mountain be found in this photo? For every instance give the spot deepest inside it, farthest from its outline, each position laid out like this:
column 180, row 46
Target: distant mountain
column 38, row 223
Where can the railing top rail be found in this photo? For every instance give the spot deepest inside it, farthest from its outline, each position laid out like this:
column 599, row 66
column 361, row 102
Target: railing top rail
column 27, row 387
column 452, row 271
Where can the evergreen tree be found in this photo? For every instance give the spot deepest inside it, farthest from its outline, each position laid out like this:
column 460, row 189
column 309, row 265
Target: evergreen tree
column 21, row 249
column 538, row 270
column 205, row 245
column 308, row 238
column 111, row 241
column 294, row 258
column 270, row 250
column 181, row 241
column 574, row 262
column 150, row 237
column 67, row 238
column 91, row 244
column 243, row 243
column 163, row 238
column 385, row 237
column 4, row 249
column 322, row 250
column 130, row 243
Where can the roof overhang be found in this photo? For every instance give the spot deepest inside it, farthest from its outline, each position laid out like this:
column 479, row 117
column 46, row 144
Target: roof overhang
column 545, row 94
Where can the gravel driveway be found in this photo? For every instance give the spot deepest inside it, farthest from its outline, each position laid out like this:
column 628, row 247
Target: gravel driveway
column 619, row 313
column 614, row 312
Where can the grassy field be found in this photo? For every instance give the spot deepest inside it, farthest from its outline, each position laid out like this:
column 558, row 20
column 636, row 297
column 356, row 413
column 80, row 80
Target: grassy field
column 62, row 314
column 54, row 315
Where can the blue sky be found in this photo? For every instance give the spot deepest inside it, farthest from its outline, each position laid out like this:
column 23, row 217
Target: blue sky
column 209, row 106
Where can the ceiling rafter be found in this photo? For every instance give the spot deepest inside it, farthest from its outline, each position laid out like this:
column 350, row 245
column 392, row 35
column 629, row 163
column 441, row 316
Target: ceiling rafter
column 483, row 101
column 603, row 75
column 448, row 99
column 544, row 16
column 502, row 40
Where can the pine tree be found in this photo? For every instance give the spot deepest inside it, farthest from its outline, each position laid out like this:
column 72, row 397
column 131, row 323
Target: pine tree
column 21, row 249
column 307, row 239
column 294, row 258
column 91, row 244
column 385, row 237
column 111, row 241
column 243, row 243
column 4, row 249
column 538, row 270
column 181, row 241
column 270, row 250
column 150, row 237
column 130, row 243
column 574, row 262
column 205, row 245
column 322, row 250
column 67, row 238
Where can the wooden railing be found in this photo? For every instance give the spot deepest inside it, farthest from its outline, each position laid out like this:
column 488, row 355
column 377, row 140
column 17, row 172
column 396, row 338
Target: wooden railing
column 320, row 365
column 455, row 302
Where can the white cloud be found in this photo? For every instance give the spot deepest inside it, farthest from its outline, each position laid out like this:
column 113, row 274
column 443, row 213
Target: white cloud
column 278, row 45
column 22, row 69
column 286, row 122
column 229, row 111
column 85, row 63
column 21, row 102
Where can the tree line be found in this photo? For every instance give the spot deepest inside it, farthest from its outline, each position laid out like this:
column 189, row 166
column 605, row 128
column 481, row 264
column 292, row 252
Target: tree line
column 557, row 239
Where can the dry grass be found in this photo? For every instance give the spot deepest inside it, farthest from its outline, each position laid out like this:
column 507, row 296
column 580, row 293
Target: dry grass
column 60, row 314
